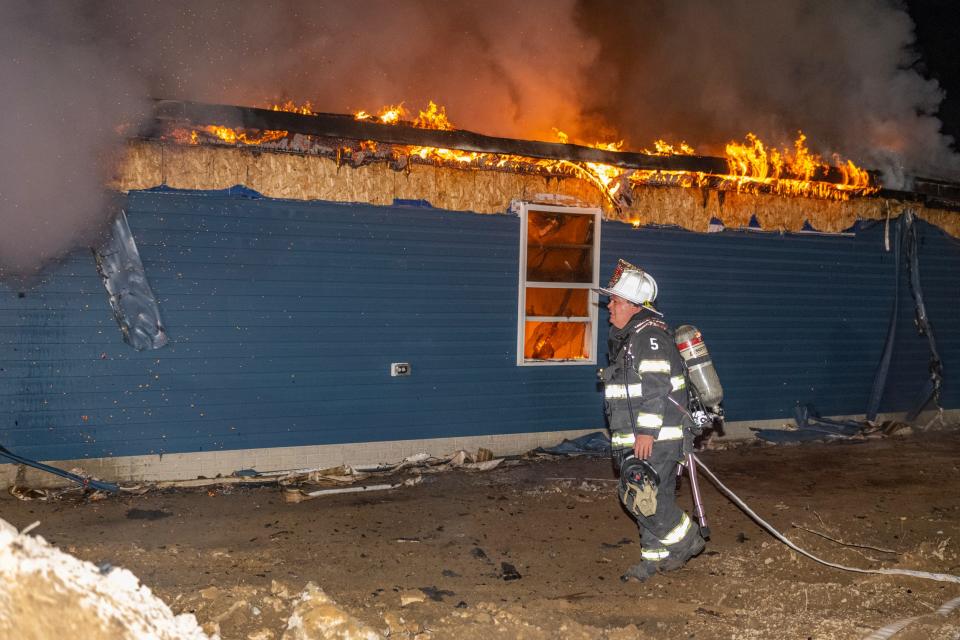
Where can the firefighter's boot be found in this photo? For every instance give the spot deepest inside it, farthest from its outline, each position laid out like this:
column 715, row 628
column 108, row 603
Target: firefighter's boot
column 640, row 572
column 679, row 556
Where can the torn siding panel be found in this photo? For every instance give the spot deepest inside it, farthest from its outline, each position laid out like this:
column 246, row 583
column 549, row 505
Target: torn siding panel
column 131, row 298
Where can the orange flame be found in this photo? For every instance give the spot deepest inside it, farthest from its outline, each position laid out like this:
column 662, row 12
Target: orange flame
column 392, row 114
column 605, row 176
column 435, row 117
column 241, row 136
column 791, row 172
column 748, row 160
column 305, row 109
column 663, row 148
column 853, row 176
column 752, row 165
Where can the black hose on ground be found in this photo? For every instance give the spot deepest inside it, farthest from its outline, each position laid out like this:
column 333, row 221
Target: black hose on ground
column 84, row 482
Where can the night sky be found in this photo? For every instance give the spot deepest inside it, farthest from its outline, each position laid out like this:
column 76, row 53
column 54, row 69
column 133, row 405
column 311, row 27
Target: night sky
column 938, row 28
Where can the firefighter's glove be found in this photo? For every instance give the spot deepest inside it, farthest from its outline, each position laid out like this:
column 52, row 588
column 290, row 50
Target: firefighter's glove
column 638, row 487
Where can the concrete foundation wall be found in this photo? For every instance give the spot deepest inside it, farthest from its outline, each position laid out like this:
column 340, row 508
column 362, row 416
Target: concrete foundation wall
column 189, row 466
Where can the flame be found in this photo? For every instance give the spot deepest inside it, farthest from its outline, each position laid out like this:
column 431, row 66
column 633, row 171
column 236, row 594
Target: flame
column 240, row 136
column 435, row 117
column 392, row 114
column 803, row 164
column 792, row 172
column 853, row 176
column 305, row 109
column 245, row 137
column 605, row 176
column 663, row 148
column 753, row 166
column 748, row 160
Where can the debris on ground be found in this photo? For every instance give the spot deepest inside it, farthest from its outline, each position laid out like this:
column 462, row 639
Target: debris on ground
column 298, row 485
column 433, row 560
column 810, row 426
column 317, row 617
column 46, row 593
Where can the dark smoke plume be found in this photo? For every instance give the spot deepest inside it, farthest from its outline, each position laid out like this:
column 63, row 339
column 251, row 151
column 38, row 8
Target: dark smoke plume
column 708, row 72
column 691, row 70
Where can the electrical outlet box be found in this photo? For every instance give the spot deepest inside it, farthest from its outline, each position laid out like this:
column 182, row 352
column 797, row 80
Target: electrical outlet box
column 399, row 369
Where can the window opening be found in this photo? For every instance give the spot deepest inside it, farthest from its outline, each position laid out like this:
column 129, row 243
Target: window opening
column 559, row 266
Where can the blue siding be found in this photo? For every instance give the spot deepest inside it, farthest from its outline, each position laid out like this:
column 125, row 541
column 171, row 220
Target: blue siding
column 800, row 318
column 284, row 317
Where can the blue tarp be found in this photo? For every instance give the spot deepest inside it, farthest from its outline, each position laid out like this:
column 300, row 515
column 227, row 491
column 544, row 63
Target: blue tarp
column 591, row 444
column 237, row 190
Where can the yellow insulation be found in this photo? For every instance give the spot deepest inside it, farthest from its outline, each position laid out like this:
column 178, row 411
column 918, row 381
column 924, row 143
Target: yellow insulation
column 304, row 177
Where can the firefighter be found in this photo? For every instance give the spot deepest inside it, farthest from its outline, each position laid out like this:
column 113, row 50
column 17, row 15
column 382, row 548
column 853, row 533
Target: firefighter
column 645, row 397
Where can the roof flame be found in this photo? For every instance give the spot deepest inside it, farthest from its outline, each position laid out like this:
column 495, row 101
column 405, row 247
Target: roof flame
column 753, row 166
column 793, row 171
column 304, row 109
column 435, row 117
column 663, row 148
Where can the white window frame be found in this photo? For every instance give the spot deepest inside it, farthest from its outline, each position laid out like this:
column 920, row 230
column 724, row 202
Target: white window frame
column 592, row 297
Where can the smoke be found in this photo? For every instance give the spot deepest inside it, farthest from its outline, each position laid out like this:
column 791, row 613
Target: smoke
column 499, row 66
column 63, row 98
column 75, row 72
column 691, row 70
column 708, row 72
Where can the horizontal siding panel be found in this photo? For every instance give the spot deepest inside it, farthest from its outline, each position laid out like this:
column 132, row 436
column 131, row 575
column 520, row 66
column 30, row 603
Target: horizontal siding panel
column 796, row 319
column 284, row 317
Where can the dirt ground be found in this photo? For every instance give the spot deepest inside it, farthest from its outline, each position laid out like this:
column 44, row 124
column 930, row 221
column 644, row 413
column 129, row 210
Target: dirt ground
column 534, row 549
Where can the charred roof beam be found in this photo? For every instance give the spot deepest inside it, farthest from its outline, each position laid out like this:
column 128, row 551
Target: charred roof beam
column 345, row 126
column 342, row 126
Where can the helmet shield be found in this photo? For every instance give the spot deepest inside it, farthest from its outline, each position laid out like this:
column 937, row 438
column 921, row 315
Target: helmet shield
column 632, row 284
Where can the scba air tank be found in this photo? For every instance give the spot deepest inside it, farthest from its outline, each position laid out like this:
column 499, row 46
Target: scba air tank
column 703, row 375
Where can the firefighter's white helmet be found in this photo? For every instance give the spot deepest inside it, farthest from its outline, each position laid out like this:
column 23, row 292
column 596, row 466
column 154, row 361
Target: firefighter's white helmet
column 632, row 284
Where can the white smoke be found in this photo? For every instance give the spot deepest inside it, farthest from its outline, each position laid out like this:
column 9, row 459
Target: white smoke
column 692, row 70
column 708, row 72
column 63, row 97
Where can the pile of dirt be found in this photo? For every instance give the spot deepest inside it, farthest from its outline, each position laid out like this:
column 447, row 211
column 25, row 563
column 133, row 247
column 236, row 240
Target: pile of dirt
column 45, row 593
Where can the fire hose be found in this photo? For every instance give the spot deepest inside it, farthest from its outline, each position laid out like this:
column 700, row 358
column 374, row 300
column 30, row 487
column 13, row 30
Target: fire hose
column 942, row 577
column 82, row 481
column 881, row 634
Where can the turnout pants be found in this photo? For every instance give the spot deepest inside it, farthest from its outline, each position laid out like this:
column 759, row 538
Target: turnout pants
column 668, row 534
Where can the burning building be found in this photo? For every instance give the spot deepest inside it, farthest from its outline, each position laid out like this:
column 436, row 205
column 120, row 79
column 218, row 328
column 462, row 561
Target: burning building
column 357, row 288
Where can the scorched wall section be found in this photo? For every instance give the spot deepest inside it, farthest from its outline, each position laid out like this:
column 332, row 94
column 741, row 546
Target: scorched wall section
column 284, row 318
